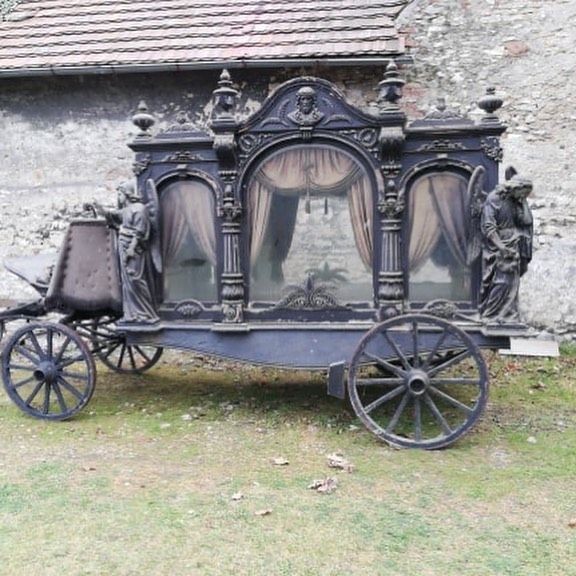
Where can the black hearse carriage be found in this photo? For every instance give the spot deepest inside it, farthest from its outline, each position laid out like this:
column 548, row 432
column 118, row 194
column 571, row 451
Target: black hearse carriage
column 311, row 235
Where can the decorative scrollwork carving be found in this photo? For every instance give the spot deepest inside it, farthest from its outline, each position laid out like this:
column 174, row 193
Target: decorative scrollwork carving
column 233, row 313
column 141, row 164
column 492, row 149
column 182, row 157
column 249, row 142
column 392, row 207
column 310, row 296
column 441, row 145
column 189, row 309
column 445, row 309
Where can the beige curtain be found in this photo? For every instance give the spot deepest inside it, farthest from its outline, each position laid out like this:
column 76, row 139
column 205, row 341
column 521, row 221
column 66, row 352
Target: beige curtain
column 448, row 192
column 317, row 171
column 361, row 210
column 437, row 206
column 424, row 229
column 188, row 210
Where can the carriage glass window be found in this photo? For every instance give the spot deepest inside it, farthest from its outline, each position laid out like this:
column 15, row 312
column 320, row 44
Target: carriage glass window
column 188, row 241
column 437, row 248
column 311, row 224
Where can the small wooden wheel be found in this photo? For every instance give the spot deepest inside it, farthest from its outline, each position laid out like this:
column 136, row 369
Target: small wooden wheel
column 48, row 371
column 418, row 381
column 111, row 349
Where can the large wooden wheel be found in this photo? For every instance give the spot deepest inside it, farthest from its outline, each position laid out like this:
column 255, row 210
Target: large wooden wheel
column 418, row 381
column 48, row 371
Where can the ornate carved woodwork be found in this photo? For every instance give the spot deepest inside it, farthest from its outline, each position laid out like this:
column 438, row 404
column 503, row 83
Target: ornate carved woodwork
column 393, row 154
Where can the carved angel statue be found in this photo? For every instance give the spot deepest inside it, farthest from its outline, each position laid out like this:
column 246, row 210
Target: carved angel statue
column 136, row 220
column 501, row 229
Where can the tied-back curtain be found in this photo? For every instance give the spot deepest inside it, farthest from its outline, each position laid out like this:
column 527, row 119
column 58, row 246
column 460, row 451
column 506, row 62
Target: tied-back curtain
column 448, row 193
column 423, row 227
column 317, row 171
column 361, row 210
column 188, row 210
column 437, row 207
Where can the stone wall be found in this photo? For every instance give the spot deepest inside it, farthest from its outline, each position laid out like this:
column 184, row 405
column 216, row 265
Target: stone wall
column 527, row 49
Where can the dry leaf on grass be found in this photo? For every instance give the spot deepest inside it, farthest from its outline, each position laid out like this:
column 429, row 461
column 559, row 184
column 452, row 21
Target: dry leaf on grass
column 280, row 462
column 324, row 486
column 338, row 461
column 265, row 512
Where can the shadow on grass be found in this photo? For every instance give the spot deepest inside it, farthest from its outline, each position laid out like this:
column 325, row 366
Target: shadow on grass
column 257, row 393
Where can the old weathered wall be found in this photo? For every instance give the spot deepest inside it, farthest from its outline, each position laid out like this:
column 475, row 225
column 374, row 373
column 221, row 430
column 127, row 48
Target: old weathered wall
column 527, row 49
column 64, row 139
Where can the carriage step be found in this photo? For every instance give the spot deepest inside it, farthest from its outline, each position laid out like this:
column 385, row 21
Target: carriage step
column 336, row 382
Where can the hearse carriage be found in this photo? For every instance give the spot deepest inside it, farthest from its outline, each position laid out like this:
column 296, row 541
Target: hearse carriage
column 312, row 235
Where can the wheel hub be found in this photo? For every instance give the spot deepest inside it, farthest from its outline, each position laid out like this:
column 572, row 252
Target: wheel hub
column 46, row 371
column 418, row 382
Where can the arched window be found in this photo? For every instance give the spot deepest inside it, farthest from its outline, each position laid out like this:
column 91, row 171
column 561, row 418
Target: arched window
column 311, row 213
column 437, row 247
column 188, row 241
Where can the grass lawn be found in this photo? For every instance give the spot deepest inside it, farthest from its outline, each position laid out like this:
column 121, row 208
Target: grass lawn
column 142, row 482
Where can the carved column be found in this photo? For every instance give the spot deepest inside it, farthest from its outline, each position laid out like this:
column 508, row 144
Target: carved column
column 224, row 125
column 391, row 289
column 230, row 211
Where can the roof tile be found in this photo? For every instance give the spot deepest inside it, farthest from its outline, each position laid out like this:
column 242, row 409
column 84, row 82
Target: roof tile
column 42, row 35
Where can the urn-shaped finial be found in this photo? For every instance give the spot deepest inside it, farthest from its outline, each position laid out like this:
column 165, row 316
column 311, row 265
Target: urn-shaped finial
column 490, row 103
column 225, row 97
column 390, row 89
column 143, row 119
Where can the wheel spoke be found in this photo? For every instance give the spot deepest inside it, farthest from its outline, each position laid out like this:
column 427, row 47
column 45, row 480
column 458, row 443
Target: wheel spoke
column 75, row 376
column 16, row 385
column 70, row 361
column 451, row 400
column 36, row 345
column 121, row 357
column 417, row 419
column 438, row 381
column 65, row 384
column 62, row 349
column 47, row 390
column 390, row 367
column 112, row 349
column 398, row 352
column 49, row 343
column 434, row 350
column 416, row 361
column 28, row 354
column 454, row 360
column 142, row 353
column 131, row 357
column 379, row 381
column 34, row 393
column 383, row 399
column 21, row 367
column 60, row 397
column 437, row 414
column 399, row 410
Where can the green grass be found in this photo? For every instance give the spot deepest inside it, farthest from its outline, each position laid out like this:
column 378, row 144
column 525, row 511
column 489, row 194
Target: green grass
column 130, row 487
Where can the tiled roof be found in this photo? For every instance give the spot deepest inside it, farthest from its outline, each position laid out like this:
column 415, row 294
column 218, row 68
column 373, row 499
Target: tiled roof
column 60, row 36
